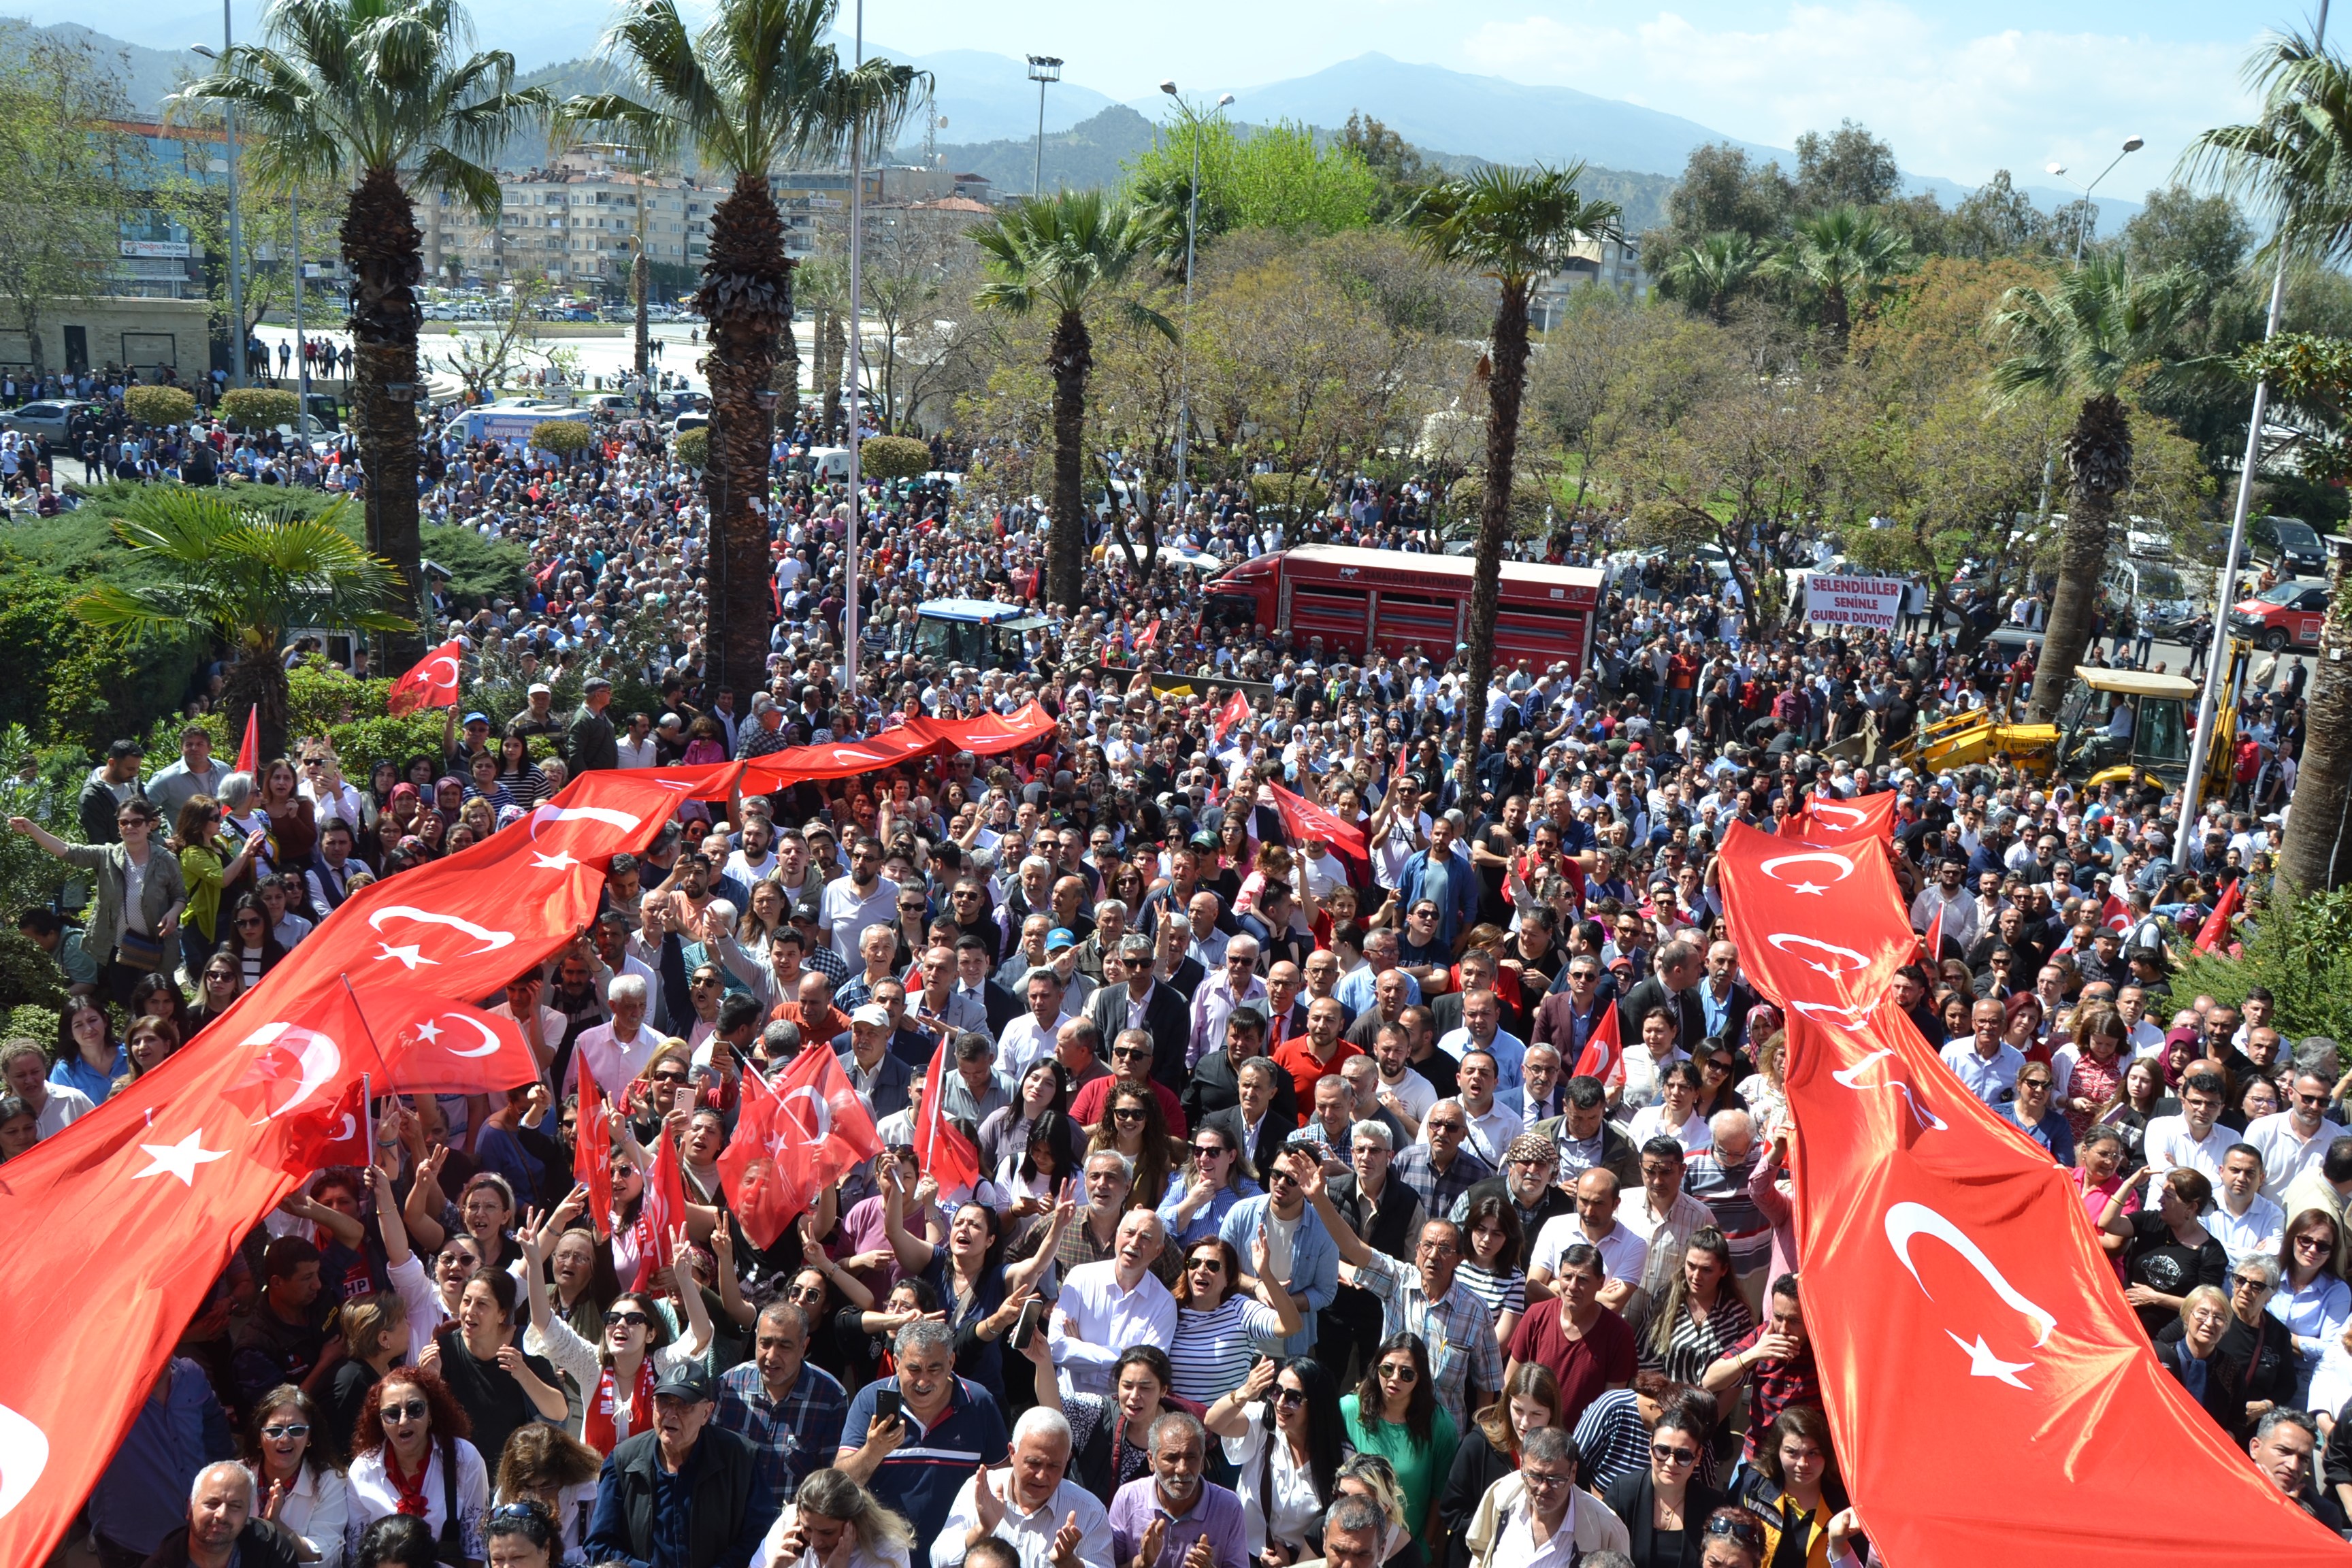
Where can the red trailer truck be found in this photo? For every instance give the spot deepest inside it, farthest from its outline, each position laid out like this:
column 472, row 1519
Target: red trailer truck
column 1390, row 602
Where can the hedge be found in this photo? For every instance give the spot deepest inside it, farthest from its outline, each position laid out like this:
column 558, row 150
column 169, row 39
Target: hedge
column 562, row 437
column 159, row 405
column 893, row 457
column 258, row 408
column 693, row 447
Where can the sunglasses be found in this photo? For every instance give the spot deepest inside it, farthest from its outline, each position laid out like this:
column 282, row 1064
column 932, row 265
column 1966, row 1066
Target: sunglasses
column 2241, row 1279
column 289, row 1429
column 1127, row 1113
column 415, row 1410
column 1291, row 1396
column 1402, row 1373
column 1212, row 1265
column 1667, row 1454
column 1210, row 1151
column 634, row 1320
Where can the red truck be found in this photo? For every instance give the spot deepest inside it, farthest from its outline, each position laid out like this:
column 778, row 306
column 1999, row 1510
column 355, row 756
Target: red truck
column 1359, row 600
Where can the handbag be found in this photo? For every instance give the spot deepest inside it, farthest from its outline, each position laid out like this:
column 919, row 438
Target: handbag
column 138, row 950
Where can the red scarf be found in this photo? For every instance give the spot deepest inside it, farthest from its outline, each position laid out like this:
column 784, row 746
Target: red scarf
column 597, row 1426
column 411, row 1488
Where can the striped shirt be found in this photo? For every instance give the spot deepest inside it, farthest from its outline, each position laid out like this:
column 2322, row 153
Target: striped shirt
column 1213, row 1351
column 1696, row 1346
column 1502, row 1292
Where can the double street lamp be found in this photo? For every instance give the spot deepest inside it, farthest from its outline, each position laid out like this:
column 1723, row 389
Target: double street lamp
column 2131, row 145
column 1184, row 347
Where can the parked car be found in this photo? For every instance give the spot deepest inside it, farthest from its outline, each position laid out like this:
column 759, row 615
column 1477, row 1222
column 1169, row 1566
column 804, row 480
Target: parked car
column 2288, row 615
column 50, row 417
column 2289, row 541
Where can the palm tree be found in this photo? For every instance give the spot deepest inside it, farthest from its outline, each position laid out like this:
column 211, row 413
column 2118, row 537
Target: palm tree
column 1708, row 275
column 246, row 576
column 1517, row 226
column 2080, row 339
column 2296, row 160
column 1849, row 260
column 1068, row 254
column 757, row 85
column 384, row 94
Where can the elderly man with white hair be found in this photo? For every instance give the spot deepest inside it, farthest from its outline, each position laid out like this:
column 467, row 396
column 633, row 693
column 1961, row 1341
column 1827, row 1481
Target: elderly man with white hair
column 1050, row 1520
column 617, row 1050
column 225, row 1529
column 1718, row 1177
column 1107, row 1308
column 1236, row 981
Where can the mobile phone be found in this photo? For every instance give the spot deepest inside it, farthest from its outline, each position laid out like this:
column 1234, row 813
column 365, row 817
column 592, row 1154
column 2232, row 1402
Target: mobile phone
column 1027, row 1329
column 885, row 1405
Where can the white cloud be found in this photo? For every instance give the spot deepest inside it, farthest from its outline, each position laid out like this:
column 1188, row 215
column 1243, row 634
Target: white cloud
column 1951, row 104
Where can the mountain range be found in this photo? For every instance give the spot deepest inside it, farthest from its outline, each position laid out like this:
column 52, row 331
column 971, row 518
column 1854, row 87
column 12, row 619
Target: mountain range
column 991, row 112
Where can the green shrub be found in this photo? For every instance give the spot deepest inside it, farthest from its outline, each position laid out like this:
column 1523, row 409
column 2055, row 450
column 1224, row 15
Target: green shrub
column 893, row 457
column 2302, row 950
column 159, row 405
column 27, row 1022
column 562, row 437
column 257, row 409
column 1288, row 490
column 69, row 683
column 29, row 977
column 693, row 447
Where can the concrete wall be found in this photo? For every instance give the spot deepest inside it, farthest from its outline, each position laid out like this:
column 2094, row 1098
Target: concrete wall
column 159, row 333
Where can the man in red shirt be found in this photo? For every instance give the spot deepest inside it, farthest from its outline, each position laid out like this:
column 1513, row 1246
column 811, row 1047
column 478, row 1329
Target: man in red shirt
column 1588, row 1346
column 1318, row 1053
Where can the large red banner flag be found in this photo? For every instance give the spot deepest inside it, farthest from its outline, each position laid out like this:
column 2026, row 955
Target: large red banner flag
column 432, row 682
column 1306, row 821
column 1948, row 1266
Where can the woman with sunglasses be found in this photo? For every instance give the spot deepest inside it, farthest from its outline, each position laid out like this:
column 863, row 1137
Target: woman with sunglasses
column 136, row 920
column 2312, row 1300
column 411, row 1455
column 1718, row 1069
column 1134, row 1125
column 1395, row 1413
column 617, row 1372
column 1284, row 1438
column 1218, row 1323
column 1218, row 1178
column 251, row 942
column 2263, row 1345
column 1791, row 1488
column 296, row 1486
column 207, row 867
column 1665, row 1507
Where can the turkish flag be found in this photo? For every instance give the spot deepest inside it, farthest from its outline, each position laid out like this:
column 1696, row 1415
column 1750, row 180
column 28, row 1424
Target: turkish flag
column 592, row 1148
column 945, row 1155
column 793, row 1142
column 249, row 751
column 1948, row 1268
column 991, row 734
column 1233, row 710
column 2216, row 929
column 433, row 683
column 662, row 1207
column 1933, row 944
column 1149, row 635
column 1826, row 821
column 1603, row 1056
column 455, row 1047
column 2115, row 914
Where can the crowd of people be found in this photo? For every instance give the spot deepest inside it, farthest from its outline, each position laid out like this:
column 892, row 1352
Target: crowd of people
column 1297, row 1235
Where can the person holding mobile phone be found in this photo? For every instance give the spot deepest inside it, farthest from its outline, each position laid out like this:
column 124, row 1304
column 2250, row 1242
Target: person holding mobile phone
column 895, row 1454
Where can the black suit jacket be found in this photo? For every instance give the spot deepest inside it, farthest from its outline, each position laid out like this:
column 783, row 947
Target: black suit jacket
column 1165, row 1014
column 1271, row 1133
column 1001, row 1005
column 1215, row 1086
column 1634, row 1497
column 1650, row 996
column 1735, row 1016
column 1186, row 978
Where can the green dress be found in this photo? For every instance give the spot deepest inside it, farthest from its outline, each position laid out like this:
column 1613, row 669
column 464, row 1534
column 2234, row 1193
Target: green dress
column 1420, row 1466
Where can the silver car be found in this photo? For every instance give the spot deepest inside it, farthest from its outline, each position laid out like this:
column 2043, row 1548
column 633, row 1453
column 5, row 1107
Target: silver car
column 48, row 418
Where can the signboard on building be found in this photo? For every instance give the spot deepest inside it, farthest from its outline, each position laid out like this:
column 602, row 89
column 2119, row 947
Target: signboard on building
column 1872, row 602
column 156, row 249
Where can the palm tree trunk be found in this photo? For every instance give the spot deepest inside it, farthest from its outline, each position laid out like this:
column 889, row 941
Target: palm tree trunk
column 746, row 296
column 2099, row 456
column 1507, row 381
column 788, row 362
column 2313, row 858
column 386, row 251
column 258, row 680
column 1071, row 358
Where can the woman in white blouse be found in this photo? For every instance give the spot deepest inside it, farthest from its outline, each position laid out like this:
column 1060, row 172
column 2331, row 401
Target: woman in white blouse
column 1675, row 1115
column 410, row 1456
column 298, row 1488
column 617, row 1372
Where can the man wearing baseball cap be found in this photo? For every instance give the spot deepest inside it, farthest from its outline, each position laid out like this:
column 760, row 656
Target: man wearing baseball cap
column 685, row 1492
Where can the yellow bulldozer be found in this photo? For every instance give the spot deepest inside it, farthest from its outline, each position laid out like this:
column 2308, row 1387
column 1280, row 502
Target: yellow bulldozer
column 2114, row 726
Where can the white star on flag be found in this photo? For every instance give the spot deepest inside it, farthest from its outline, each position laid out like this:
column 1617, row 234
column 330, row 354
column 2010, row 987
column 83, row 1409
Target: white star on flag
column 411, row 955
column 560, row 860
column 1982, row 1362
column 428, row 1032
column 1808, row 888
column 179, row 1159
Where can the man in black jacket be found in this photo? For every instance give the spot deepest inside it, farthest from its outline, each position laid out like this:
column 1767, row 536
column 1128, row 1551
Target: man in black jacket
column 224, row 1528
column 1673, row 985
column 1131, row 997
column 683, row 1495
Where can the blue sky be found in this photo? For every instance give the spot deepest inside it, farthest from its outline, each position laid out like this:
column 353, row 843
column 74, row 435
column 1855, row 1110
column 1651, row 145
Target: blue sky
column 1959, row 89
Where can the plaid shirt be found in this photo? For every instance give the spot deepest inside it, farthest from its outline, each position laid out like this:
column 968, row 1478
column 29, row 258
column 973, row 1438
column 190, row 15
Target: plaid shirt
column 791, row 1436
column 1775, row 1386
column 1457, row 1328
column 1438, row 1189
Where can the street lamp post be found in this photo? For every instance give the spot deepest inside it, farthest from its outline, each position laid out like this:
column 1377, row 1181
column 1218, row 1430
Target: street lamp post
column 2200, row 745
column 856, row 343
column 235, row 227
column 1043, row 69
column 1184, row 347
column 2131, row 145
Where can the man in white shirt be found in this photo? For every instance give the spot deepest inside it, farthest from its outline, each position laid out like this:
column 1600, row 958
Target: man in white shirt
column 1482, row 1029
column 54, row 1106
column 1623, row 1254
column 1030, row 1504
column 2295, row 1139
column 862, row 899
column 1405, row 1094
column 754, row 859
column 1986, row 1065
column 1492, row 1124
column 2242, row 1220
column 1951, row 899
column 1031, row 1036
column 2193, row 1138
column 1230, row 984
column 1108, row 1308
column 616, row 1051
column 1664, row 1216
